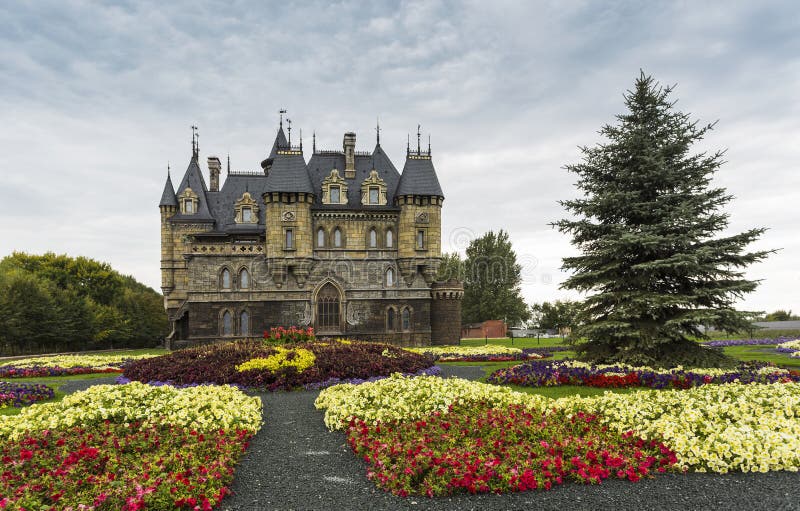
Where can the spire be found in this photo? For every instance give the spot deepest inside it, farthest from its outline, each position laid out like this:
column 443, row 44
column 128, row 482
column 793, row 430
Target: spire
column 168, row 197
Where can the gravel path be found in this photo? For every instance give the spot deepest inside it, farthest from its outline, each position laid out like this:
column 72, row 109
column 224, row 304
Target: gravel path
column 295, row 463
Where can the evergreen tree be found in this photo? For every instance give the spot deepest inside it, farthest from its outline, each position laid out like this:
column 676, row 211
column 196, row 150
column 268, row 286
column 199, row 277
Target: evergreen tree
column 492, row 280
column 647, row 227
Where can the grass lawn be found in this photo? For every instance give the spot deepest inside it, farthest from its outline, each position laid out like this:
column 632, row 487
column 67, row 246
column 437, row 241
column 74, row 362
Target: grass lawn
column 526, row 342
column 141, row 351
column 765, row 353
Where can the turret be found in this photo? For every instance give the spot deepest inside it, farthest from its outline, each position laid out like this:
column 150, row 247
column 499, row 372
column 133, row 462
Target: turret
column 168, row 207
column 420, row 198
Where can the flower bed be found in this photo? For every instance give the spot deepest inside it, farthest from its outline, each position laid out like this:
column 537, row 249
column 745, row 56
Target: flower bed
column 126, row 447
column 23, row 394
column 484, row 449
column 717, row 428
column 486, row 353
column 746, row 342
column 790, row 347
column 261, row 365
column 65, row 365
column 569, row 372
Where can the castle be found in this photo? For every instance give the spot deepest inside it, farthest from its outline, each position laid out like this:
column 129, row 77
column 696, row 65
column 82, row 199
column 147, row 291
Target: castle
column 344, row 243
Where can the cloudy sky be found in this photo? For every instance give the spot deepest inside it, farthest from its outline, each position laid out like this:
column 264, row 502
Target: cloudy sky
column 96, row 99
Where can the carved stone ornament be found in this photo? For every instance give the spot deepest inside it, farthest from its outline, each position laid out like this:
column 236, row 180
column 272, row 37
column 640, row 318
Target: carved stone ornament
column 356, row 314
column 289, row 216
column 422, row 218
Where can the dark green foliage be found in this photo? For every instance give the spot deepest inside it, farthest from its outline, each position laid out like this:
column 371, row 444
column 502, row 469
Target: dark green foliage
column 647, row 226
column 559, row 315
column 781, row 315
column 491, row 281
column 52, row 303
column 451, row 267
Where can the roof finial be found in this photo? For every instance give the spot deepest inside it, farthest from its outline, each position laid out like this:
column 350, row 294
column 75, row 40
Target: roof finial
column 229, row 163
column 301, row 139
column 289, row 122
column 314, row 142
column 418, row 135
column 167, row 168
column 429, row 144
column 378, row 131
column 195, row 143
column 281, row 112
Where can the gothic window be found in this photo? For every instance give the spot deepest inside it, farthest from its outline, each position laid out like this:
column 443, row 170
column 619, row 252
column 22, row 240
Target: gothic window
column 225, row 279
column 320, row 237
column 289, row 242
column 244, row 279
column 373, row 195
column 227, row 323
column 406, row 319
column 389, row 239
column 244, row 323
column 337, row 238
column 420, row 240
column 328, row 309
column 390, row 319
column 389, row 277
column 373, row 238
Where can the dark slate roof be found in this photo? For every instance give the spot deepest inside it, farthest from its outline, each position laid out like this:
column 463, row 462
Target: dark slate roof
column 223, row 202
column 193, row 178
column 280, row 141
column 168, row 197
column 288, row 174
column 321, row 164
column 419, row 178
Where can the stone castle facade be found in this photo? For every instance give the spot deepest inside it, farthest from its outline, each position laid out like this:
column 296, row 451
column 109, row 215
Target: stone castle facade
column 343, row 243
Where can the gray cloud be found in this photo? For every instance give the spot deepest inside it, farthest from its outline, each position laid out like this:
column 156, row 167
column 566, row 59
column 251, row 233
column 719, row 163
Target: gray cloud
column 97, row 99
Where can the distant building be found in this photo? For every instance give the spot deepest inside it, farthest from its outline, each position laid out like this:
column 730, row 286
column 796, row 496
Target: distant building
column 344, row 243
column 494, row 328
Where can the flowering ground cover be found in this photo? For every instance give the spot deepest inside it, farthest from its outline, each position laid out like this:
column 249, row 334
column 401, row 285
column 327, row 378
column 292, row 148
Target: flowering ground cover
column 65, row 365
column 262, row 365
column 570, row 372
column 126, row 447
column 22, row 394
column 747, row 342
column 792, row 348
column 716, row 428
column 486, row 353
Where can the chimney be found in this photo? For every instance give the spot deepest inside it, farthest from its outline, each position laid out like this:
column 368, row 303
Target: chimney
column 349, row 145
column 214, row 167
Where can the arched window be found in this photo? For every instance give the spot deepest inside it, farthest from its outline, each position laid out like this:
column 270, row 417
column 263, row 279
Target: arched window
column 389, row 277
column 337, row 238
column 373, row 238
column 390, row 319
column 406, row 319
column 244, row 323
column 244, row 279
column 389, row 239
column 320, row 237
column 225, row 279
column 227, row 323
column 328, row 312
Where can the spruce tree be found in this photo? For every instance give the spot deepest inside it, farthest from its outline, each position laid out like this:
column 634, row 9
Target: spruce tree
column 648, row 228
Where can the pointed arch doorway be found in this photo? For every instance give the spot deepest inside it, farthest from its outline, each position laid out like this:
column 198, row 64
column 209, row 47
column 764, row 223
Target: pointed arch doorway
column 329, row 311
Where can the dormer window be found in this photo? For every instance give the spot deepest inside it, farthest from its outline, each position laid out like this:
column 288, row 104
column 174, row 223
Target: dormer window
column 188, row 201
column 334, row 189
column 373, row 190
column 246, row 210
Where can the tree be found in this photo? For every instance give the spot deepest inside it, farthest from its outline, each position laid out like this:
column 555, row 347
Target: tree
column 492, row 280
column 559, row 315
column 781, row 315
column 451, row 267
column 646, row 226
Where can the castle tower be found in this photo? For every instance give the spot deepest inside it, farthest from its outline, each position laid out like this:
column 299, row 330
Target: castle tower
column 420, row 198
column 446, row 312
column 288, row 197
column 168, row 206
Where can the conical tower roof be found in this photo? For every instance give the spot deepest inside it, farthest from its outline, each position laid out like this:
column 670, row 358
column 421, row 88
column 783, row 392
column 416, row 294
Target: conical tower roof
column 168, row 196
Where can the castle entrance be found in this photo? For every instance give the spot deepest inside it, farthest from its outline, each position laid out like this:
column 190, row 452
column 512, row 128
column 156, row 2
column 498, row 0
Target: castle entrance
column 329, row 311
